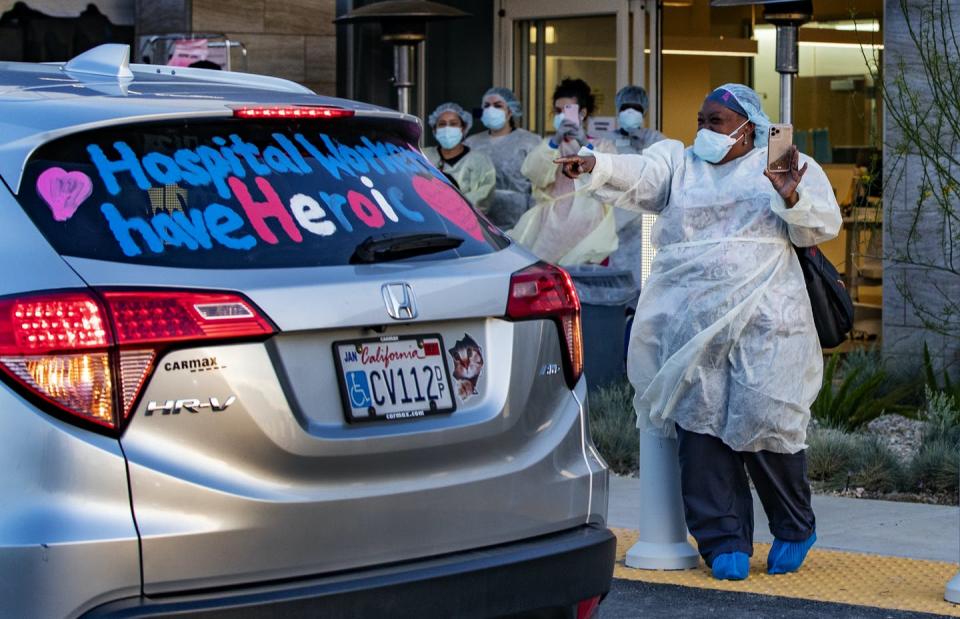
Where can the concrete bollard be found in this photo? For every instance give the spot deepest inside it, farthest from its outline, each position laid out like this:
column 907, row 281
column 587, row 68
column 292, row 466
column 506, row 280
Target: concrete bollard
column 662, row 542
column 952, row 594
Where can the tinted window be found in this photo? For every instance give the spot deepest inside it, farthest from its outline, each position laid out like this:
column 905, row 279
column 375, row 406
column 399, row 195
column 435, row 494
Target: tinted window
column 243, row 194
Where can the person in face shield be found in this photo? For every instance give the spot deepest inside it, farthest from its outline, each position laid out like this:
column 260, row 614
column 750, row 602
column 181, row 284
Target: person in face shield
column 630, row 137
column 471, row 171
column 724, row 352
column 567, row 226
column 507, row 145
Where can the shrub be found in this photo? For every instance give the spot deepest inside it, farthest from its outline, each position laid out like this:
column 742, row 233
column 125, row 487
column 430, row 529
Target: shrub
column 613, row 425
column 861, row 364
column 937, row 467
column 831, row 456
column 853, row 402
column 877, row 467
column 951, row 390
column 942, row 414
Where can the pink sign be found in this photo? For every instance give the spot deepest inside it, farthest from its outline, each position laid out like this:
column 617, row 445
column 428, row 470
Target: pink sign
column 189, row 51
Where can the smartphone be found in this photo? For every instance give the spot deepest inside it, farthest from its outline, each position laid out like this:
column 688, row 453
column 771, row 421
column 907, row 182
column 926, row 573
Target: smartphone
column 571, row 112
column 778, row 148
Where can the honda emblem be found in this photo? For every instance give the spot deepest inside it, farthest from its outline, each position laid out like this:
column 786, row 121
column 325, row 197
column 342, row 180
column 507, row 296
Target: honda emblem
column 399, row 299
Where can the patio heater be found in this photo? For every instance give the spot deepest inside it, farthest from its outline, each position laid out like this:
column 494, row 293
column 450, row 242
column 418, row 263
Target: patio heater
column 787, row 16
column 404, row 26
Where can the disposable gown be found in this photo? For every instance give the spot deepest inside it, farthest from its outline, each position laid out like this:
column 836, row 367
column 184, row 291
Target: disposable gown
column 474, row 173
column 567, row 226
column 723, row 342
column 629, row 254
column 511, row 196
column 633, row 142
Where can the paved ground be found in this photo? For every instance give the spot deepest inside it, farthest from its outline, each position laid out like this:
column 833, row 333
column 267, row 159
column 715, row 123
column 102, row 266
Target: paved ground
column 872, row 559
column 629, row 599
column 930, row 532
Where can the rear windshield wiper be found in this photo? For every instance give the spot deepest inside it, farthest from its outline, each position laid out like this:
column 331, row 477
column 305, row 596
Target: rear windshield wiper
column 387, row 248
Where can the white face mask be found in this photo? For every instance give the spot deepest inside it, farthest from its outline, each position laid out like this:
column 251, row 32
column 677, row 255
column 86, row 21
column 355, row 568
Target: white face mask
column 630, row 119
column 712, row 146
column 558, row 120
column 493, row 118
column 448, row 137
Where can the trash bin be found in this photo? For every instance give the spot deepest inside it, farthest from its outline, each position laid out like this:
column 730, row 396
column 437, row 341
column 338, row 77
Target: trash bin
column 605, row 294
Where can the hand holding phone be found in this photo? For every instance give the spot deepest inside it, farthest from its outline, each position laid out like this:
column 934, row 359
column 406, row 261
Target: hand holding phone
column 571, row 129
column 571, row 111
column 779, row 153
column 786, row 182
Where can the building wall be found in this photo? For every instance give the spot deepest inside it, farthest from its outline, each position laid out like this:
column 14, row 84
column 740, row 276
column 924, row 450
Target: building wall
column 120, row 12
column 904, row 332
column 292, row 39
column 458, row 59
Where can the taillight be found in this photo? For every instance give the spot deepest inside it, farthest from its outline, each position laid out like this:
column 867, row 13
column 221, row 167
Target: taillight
column 587, row 609
column 88, row 355
column 545, row 291
column 291, row 111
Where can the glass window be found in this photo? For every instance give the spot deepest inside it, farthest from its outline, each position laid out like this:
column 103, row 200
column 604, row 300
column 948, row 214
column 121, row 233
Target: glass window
column 243, row 194
column 574, row 47
column 837, row 120
column 836, row 109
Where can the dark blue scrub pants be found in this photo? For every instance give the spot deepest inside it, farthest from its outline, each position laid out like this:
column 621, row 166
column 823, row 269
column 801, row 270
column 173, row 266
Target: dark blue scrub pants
column 717, row 500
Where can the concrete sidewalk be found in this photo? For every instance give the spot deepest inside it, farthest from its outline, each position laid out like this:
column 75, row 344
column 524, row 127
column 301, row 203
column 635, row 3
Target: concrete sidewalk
column 917, row 531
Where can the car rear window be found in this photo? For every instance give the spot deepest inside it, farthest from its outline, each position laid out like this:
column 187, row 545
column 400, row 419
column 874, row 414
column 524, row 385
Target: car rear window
column 238, row 193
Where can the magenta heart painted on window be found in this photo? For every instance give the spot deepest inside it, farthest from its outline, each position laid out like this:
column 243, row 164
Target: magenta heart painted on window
column 63, row 191
column 445, row 200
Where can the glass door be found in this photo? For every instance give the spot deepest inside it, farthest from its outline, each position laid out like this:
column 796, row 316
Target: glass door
column 549, row 50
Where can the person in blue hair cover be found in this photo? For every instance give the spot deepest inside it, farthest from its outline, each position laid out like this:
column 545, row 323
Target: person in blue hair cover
column 507, row 145
column 724, row 352
column 471, row 171
column 631, row 137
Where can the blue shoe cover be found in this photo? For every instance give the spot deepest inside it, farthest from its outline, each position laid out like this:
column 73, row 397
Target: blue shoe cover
column 786, row 557
column 731, row 566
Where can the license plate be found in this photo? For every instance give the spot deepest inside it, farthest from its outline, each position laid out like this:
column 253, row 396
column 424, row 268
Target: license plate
column 397, row 377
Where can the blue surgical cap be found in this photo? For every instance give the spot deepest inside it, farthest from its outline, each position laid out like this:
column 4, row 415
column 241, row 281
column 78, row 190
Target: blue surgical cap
column 748, row 101
column 509, row 98
column 633, row 95
column 465, row 116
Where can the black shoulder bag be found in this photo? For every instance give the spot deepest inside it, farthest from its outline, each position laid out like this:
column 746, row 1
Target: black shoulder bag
column 829, row 299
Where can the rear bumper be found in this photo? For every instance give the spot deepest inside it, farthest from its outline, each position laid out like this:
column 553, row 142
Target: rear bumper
column 552, row 571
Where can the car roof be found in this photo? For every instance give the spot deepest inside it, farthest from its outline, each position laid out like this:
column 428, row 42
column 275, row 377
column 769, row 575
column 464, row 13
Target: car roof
column 41, row 102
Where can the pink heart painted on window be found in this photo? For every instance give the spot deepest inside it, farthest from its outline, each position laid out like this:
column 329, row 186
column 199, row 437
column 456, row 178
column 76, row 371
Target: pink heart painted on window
column 445, row 200
column 63, row 191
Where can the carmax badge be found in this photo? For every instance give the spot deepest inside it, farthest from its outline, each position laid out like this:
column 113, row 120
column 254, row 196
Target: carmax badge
column 191, row 405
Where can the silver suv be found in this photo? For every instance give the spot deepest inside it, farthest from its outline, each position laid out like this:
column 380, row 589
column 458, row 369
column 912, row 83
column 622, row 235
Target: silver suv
column 259, row 357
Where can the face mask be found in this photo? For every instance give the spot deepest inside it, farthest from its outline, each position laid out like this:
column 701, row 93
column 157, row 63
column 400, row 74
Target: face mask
column 558, row 120
column 448, row 136
column 712, row 146
column 493, row 118
column 630, row 119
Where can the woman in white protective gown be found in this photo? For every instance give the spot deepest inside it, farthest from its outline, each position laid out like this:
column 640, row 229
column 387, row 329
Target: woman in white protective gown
column 724, row 353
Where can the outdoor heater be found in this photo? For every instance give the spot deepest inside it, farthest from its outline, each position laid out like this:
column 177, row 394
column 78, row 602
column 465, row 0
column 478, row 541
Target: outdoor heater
column 404, row 24
column 787, row 16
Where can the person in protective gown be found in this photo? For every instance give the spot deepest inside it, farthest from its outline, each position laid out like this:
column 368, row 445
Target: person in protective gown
column 567, row 226
column 724, row 352
column 507, row 145
column 630, row 138
column 471, row 171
